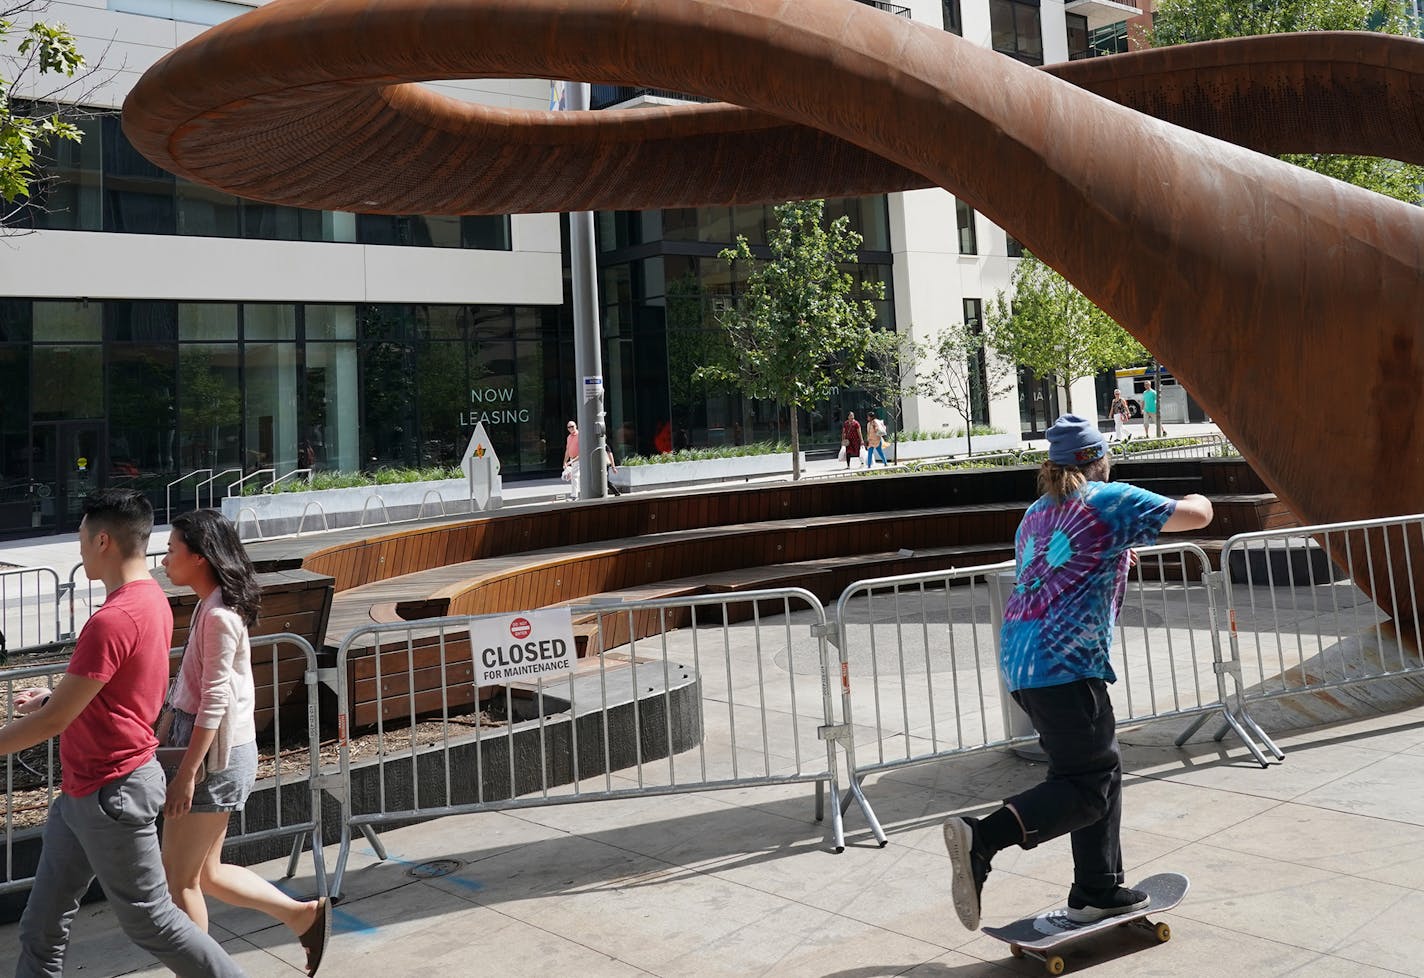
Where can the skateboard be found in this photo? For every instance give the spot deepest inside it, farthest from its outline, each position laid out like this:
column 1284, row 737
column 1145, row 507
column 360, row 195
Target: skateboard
column 1039, row 936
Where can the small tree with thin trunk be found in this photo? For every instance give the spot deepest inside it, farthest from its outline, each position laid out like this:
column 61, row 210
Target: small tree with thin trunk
column 954, row 378
column 1045, row 324
column 889, row 377
column 802, row 327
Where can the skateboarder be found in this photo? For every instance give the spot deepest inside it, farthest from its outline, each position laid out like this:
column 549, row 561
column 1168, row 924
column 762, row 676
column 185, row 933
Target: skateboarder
column 1072, row 551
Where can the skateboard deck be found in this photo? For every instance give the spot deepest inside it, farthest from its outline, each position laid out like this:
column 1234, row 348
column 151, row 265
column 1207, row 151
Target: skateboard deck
column 1039, row 936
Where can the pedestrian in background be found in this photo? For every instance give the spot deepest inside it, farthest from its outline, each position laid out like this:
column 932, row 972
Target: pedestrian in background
column 874, row 439
column 850, row 438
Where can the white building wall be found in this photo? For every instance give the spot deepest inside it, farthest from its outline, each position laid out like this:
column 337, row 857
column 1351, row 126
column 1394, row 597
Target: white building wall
column 120, row 47
column 932, row 279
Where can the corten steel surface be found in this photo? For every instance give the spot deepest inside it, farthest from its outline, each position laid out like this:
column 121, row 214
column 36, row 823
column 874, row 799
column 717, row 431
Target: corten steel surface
column 1288, row 303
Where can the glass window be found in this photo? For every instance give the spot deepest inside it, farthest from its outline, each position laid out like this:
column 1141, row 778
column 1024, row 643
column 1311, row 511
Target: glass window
column 714, row 224
column 15, row 432
column 968, row 240
column 269, row 321
column 490, row 232
column 434, row 232
column 953, row 17
column 207, row 321
column 270, row 382
column 207, row 212
column 388, row 385
column 273, row 223
column 329, row 437
column 138, row 196
column 143, row 382
column 1015, row 29
column 977, row 365
column 209, row 407
column 380, row 229
column 1013, row 247
column 330, row 322
column 73, row 382
column 875, row 223
column 61, row 322
column 1078, row 47
column 67, row 194
column 141, row 322
column 15, row 324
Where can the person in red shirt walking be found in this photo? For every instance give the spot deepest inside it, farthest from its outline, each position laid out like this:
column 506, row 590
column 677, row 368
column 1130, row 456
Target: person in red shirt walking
column 112, row 789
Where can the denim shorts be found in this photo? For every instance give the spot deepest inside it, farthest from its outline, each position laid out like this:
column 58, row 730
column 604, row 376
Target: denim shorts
column 225, row 790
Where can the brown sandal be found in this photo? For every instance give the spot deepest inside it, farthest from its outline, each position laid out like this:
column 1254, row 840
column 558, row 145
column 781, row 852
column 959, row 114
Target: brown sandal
column 317, row 935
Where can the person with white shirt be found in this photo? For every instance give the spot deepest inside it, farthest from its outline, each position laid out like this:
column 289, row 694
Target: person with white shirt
column 212, row 716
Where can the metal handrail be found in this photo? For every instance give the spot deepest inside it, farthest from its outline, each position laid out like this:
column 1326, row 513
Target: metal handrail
column 168, row 492
column 428, row 493
column 209, row 482
column 271, row 486
column 239, row 482
column 306, row 509
column 364, row 506
column 255, row 519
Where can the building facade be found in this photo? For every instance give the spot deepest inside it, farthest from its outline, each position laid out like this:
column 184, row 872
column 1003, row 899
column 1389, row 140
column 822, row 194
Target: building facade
column 153, row 330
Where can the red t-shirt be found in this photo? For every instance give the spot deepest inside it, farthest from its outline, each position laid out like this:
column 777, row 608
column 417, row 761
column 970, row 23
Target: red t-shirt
column 124, row 646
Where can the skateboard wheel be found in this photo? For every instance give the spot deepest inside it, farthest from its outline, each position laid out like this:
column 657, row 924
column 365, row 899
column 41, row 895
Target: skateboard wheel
column 1163, row 932
column 1016, row 951
column 1054, row 964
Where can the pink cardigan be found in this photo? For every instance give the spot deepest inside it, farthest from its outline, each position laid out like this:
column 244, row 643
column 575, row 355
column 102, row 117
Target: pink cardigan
column 215, row 680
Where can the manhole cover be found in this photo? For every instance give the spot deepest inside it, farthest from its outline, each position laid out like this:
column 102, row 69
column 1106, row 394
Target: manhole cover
column 434, row 869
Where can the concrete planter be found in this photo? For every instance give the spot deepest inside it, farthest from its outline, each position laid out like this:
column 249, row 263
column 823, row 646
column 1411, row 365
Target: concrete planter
column 634, row 477
column 940, row 447
column 281, row 513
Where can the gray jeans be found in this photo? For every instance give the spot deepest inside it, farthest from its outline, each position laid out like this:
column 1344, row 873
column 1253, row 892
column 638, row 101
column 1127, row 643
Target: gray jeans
column 111, row 834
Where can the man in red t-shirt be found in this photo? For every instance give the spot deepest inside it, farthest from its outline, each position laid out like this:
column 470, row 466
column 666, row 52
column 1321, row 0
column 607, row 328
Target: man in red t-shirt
column 103, row 822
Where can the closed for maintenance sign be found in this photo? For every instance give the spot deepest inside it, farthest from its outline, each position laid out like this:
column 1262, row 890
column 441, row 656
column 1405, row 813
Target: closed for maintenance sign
column 526, row 646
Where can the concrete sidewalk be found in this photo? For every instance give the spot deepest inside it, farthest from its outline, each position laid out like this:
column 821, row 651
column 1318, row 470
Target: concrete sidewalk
column 1312, row 867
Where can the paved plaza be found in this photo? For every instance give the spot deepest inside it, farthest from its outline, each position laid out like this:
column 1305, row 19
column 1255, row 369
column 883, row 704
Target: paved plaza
column 1313, row 867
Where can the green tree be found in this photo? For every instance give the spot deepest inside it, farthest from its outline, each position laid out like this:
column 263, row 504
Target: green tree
column 1186, row 21
column 1045, row 324
column 799, row 330
column 27, row 52
column 954, row 379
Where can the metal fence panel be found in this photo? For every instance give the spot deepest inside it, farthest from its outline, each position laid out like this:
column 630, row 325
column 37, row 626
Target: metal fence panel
column 32, row 777
column 922, row 652
column 673, row 695
column 1300, row 623
column 30, row 603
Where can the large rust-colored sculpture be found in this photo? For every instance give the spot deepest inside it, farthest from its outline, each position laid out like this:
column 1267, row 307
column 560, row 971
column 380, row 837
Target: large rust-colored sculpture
column 1290, row 304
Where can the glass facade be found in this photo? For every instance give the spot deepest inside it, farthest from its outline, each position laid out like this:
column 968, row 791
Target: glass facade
column 663, row 286
column 139, row 393
column 103, row 184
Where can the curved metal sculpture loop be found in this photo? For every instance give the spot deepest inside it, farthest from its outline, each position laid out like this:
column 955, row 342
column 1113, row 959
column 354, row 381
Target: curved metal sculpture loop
column 1290, row 304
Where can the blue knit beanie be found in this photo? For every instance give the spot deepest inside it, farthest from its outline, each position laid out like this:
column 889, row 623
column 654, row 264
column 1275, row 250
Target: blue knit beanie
column 1075, row 441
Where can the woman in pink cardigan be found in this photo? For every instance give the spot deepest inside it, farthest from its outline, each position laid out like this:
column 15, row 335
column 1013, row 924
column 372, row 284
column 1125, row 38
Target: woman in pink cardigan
column 212, row 715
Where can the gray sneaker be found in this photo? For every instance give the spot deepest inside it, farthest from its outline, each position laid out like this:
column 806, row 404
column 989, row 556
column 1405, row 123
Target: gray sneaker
column 969, row 866
column 1086, row 906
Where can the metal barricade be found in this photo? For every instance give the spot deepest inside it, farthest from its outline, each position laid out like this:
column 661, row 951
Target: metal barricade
column 922, row 651
column 84, row 603
column 1300, row 623
column 289, row 776
column 672, row 696
column 1168, row 446
column 31, row 781
column 30, row 608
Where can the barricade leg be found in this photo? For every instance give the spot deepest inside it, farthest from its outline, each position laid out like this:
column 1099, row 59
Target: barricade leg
column 297, row 845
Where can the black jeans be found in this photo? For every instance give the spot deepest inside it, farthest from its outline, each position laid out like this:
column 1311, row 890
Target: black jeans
column 1082, row 793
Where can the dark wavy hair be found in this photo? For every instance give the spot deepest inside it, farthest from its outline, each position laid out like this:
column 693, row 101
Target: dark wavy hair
column 212, row 536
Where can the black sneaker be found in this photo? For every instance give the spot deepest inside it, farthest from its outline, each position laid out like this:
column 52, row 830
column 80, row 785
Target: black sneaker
column 969, row 866
column 1086, row 906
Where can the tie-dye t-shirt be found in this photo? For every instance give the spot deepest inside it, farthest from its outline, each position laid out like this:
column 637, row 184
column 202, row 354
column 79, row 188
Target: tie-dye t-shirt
column 1072, row 563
